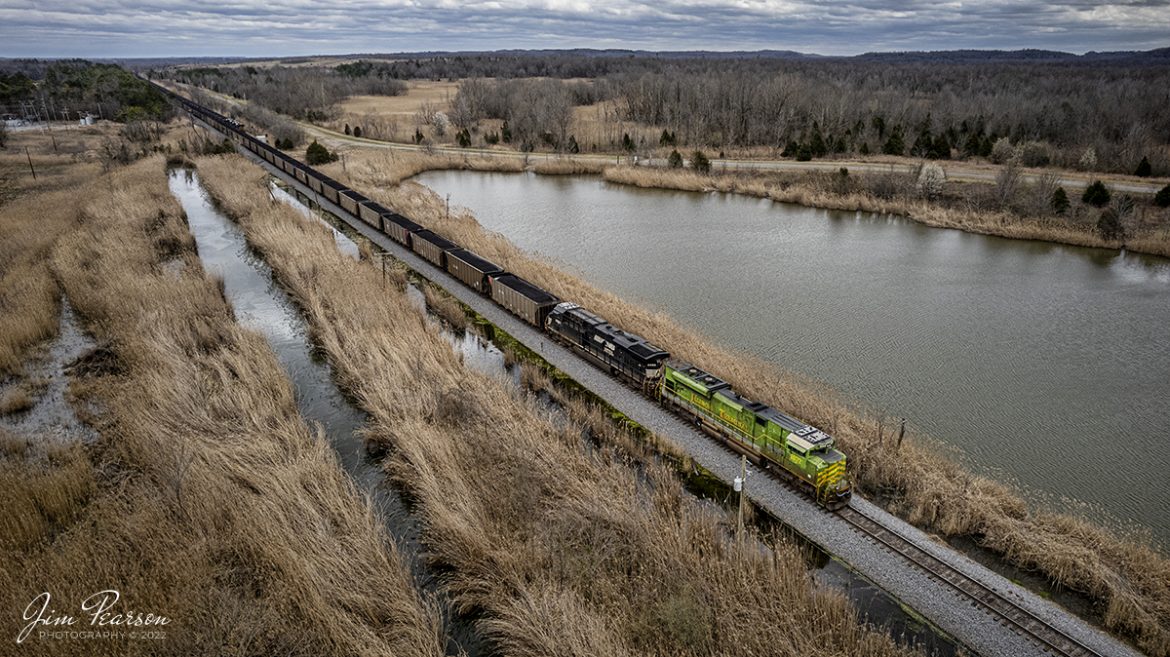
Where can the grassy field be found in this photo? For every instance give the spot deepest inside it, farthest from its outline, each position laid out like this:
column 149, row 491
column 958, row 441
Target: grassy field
column 1128, row 580
column 206, row 499
column 392, row 118
column 559, row 548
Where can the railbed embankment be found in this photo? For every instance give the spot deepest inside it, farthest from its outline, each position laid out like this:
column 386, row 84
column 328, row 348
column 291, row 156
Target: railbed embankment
column 915, row 589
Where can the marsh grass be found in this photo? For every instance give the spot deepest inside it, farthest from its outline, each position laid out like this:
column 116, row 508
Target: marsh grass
column 207, row 498
column 1126, row 579
column 556, row 549
column 867, row 193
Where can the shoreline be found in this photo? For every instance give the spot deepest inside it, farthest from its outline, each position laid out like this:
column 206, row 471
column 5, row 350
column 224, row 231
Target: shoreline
column 916, row 483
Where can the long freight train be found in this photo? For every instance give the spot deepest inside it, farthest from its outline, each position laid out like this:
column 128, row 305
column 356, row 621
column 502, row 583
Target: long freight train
column 773, row 440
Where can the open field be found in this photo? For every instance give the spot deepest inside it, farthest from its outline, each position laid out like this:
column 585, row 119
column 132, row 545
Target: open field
column 206, row 499
column 393, row 118
column 560, row 547
column 1128, row 580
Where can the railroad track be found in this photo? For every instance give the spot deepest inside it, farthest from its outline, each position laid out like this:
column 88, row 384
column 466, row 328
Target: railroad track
column 1023, row 621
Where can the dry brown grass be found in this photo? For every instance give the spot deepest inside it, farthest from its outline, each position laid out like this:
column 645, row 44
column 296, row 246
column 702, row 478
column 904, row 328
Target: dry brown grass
column 566, row 166
column 998, row 223
column 34, row 214
column 446, row 306
column 1129, row 580
column 18, row 398
column 207, row 498
column 561, row 549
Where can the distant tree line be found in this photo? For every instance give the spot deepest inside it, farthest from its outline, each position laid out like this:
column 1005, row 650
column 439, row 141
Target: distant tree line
column 1100, row 117
column 64, row 88
column 1032, row 108
column 303, row 92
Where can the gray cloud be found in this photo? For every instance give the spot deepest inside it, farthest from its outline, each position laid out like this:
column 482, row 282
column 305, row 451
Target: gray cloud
column 159, row 28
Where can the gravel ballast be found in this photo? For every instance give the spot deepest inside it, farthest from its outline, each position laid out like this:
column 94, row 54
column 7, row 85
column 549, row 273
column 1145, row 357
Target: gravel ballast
column 953, row 613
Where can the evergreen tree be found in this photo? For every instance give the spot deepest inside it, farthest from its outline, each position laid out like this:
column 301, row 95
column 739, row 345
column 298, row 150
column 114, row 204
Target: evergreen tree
column 1060, row 204
column 923, row 145
column 347, row 131
column 973, row 144
column 864, row 150
column 790, row 149
column 700, row 163
column 1096, row 194
column 804, row 153
column 1162, row 198
column 506, row 133
column 627, row 143
column 1143, row 168
column 894, row 145
column 357, row 131
column 317, row 154
column 940, row 149
column 573, row 146
column 816, row 145
column 1109, row 226
column 675, row 160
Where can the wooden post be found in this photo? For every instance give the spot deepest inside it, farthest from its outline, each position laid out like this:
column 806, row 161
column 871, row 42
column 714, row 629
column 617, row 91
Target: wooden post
column 383, row 258
column 30, row 164
column 901, row 433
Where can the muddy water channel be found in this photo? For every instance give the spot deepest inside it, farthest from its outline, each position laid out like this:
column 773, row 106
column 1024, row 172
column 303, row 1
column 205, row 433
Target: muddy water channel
column 1039, row 363
column 481, row 354
column 261, row 305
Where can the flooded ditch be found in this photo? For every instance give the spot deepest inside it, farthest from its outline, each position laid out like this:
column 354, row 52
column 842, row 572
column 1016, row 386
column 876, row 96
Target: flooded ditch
column 260, row 304
column 44, row 390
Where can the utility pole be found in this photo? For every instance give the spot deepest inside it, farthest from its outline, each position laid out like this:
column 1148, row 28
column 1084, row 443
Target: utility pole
column 448, row 206
column 738, row 485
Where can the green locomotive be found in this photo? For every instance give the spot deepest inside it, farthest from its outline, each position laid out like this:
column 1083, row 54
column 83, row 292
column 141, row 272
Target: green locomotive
column 759, row 431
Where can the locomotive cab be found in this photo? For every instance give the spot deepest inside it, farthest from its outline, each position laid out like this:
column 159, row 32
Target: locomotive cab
column 812, row 455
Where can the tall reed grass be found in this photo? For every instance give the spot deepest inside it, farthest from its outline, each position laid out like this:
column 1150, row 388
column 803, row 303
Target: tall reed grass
column 207, row 498
column 1126, row 578
column 559, row 549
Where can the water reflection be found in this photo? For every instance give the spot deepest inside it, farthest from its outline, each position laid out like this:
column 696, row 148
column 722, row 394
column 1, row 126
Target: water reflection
column 1024, row 355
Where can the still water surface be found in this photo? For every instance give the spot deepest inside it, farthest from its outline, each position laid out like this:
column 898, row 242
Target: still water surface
column 1040, row 363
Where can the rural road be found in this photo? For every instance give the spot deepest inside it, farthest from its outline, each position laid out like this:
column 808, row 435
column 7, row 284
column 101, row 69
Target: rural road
column 955, row 171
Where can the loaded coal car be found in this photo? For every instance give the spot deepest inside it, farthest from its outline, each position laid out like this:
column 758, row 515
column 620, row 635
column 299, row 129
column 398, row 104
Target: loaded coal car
column 371, row 212
column 288, row 165
column 301, row 174
column 350, row 200
column 472, row 269
column 315, row 178
column 522, row 298
column 433, row 247
column 625, row 355
column 399, row 228
column 765, row 434
column 331, row 189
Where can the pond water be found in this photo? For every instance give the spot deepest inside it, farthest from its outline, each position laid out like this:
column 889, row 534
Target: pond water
column 1042, row 364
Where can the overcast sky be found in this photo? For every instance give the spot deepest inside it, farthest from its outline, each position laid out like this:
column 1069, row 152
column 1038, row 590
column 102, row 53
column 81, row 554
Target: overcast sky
column 162, row 28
